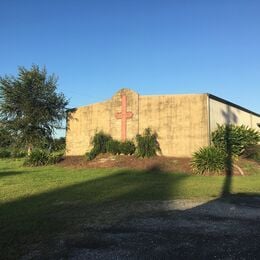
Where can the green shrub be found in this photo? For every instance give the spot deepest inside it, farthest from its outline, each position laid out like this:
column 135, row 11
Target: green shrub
column 18, row 154
column 113, row 146
column 235, row 139
column 103, row 143
column 208, row 160
column 37, row 158
column 12, row 153
column 55, row 157
column 256, row 157
column 147, row 144
column 252, row 152
column 4, row 153
column 127, row 147
column 42, row 157
column 92, row 154
column 99, row 143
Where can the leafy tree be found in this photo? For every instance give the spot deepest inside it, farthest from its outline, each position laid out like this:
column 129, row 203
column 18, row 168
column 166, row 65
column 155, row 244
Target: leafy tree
column 58, row 144
column 53, row 145
column 5, row 138
column 30, row 107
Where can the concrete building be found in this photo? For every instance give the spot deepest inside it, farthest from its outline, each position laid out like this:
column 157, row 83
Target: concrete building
column 183, row 122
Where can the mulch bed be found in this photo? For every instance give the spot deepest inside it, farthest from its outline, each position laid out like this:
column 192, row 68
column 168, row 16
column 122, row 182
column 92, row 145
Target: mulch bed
column 162, row 163
column 157, row 163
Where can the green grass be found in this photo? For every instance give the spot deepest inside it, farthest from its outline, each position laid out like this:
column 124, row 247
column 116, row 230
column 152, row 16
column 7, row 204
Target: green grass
column 39, row 204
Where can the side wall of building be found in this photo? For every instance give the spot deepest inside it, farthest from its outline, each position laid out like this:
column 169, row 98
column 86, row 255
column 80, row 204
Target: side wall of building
column 224, row 113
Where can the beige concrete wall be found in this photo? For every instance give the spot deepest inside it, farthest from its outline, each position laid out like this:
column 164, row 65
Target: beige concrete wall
column 221, row 113
column 181, row 122
column 85, row 121
column 82, row 125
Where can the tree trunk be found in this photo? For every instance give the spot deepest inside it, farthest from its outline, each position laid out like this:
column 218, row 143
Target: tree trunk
column 29, row 150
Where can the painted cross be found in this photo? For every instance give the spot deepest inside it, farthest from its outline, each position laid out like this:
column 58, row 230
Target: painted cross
column 123, row 115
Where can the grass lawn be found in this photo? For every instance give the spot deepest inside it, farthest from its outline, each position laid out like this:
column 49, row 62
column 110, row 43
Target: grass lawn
column 39, row 204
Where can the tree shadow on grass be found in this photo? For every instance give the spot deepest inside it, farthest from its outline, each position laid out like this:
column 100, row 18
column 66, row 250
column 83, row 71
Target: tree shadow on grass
column 120, row 212
column 40, row 218
column 8, row 172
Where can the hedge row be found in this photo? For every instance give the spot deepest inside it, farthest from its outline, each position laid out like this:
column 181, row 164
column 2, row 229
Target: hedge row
column 146, row 145
column 6, row 153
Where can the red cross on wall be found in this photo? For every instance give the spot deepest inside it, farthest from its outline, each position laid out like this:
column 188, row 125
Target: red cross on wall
column 123, row 115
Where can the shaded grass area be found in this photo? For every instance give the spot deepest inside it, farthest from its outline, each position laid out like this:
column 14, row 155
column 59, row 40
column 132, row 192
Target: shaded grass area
column 37, row 204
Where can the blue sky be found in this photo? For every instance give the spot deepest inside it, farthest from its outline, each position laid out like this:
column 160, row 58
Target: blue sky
column 153, row 47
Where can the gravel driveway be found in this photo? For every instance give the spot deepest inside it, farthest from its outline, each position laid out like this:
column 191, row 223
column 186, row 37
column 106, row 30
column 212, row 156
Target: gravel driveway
column 180, row 229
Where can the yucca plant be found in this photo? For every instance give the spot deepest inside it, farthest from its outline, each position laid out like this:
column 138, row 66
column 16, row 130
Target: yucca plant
column 40, row 157
column 37, row 158
column 208, row 160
